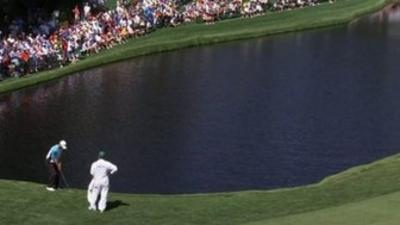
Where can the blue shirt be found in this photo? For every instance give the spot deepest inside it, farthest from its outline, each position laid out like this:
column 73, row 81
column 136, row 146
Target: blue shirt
column 55, row 153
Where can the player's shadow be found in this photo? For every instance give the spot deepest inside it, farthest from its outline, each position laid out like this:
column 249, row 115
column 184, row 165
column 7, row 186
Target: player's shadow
column 115, row 204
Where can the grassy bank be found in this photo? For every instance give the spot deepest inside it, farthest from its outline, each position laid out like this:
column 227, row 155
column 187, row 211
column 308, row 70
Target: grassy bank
column 191, row 35
column 370, row 188
column 381, row 210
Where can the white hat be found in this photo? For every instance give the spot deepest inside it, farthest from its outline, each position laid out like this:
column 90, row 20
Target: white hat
column 63, row 144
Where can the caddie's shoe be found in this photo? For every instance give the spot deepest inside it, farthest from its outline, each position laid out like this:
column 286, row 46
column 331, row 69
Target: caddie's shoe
column 50, row 189
column 92, row 208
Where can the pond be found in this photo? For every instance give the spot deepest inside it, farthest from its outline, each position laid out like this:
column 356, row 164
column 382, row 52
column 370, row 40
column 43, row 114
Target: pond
column 273, row 112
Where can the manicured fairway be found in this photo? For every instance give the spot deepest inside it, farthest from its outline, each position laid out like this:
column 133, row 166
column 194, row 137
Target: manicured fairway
column 382, row 210
column 373, row 189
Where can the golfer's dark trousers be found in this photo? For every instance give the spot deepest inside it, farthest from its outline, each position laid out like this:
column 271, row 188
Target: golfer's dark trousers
column 54, row 179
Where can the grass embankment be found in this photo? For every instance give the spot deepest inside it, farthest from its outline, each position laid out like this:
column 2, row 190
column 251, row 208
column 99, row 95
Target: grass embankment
column 341, row 199
column 382, row 210
column 190, row 35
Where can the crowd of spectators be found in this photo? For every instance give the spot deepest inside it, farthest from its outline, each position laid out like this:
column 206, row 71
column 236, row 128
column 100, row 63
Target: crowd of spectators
column 50, row 44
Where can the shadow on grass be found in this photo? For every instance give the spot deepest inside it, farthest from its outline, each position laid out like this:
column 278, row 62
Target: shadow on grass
column 115, row 204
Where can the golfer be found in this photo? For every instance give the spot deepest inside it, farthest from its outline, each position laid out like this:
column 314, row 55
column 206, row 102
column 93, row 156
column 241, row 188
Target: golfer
column 54, row 159
column 100, row 170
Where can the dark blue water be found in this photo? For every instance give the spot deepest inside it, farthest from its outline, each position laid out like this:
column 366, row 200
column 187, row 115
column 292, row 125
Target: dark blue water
column 273, row 112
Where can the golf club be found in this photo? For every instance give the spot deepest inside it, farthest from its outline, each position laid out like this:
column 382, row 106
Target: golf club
column 64, row 180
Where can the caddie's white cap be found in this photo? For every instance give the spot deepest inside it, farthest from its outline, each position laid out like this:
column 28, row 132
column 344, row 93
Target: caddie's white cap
column 63, row 144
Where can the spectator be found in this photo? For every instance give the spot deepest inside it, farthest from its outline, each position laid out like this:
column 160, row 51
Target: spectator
column 49, row 45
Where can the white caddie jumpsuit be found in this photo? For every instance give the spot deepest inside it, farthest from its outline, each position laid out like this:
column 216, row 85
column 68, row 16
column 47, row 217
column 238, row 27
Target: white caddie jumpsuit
column 100, row 170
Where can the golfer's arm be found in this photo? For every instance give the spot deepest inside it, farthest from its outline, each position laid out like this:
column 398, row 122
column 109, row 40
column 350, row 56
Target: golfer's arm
column 48, row 155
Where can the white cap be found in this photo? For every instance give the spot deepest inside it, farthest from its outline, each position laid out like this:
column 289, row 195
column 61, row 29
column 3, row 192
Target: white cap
column 63, row 144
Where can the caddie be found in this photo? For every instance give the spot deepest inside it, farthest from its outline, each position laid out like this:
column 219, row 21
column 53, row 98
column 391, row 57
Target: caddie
column 100, row 170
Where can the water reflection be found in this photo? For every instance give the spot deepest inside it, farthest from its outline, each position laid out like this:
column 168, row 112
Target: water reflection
column 391, row 13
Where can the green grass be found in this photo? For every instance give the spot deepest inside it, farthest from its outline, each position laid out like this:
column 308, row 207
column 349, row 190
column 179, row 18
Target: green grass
column 383, row 210
column 372, row 188
column 191, row 35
